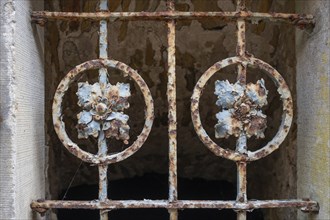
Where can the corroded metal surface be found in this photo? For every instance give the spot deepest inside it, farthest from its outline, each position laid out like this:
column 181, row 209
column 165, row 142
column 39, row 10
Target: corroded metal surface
column 241, row 187
column 172, row 118
column 113, row 102
column 103, row 106
column 299, row 20
column 180, row 204
column 241, row 109
column 59, row 124
column 283, row 90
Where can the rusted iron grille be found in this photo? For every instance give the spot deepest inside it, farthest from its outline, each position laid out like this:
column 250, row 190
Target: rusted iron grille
column 103, row 114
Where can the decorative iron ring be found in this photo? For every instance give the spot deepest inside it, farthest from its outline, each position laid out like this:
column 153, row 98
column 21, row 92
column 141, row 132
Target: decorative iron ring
column 60, row 126
column 287, row 115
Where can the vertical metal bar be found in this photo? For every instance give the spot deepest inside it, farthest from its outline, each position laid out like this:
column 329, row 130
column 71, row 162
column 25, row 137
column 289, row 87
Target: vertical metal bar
column 103, row 42
column 103, row 79
column 103, row 179
column 241, row 188
column 241, row 144
column 241, row 50
column 241, row 175
column 241, row 42
column 171, row 97
column 240, row 5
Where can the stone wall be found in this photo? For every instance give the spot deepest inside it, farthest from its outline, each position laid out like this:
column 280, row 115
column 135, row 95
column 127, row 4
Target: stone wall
column 313, row 71
column 22, row 155
column 142, row 45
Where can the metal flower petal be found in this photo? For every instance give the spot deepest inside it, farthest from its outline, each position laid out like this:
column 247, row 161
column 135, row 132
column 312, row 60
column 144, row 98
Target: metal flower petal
column 228, row 94
column 257, row 124
column 116, row 126
column 88, row 94
column 227, row 124
column 257, row 93
column 87, row 126
column 84, row 117
column 118, row 116
column 118, row 96
column 118, row 130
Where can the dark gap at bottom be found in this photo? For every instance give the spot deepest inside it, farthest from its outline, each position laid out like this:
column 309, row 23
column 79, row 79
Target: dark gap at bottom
column 155, row 186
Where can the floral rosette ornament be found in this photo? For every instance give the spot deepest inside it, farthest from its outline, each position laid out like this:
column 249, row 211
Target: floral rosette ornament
column 241, row 109
column 103, row 106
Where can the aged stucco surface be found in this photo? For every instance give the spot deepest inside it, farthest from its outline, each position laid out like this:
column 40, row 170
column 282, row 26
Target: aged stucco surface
column 142, row 45
column 7, row 197
column 21, row 110
column 313, row 71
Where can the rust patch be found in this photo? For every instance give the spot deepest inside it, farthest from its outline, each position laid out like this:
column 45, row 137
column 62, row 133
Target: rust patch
column 301, row 21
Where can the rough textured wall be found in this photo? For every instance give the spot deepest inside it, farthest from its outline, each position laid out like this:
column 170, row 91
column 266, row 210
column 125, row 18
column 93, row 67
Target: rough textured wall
column 22, row 137
column 142, row 45
column 313, row 68
column 8, row 116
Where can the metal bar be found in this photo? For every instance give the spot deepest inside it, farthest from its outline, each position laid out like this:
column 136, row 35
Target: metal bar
column 241, row 188
column 241, row 175
column 241, row 144
column 103, row 80
column 300, row 20
column 103, row 44
column 103, row 179
column 172, row 118
column 241, row 50
column 241, row 41
column 305, row 205
column 240, row 5
column 241, row 46
column 241, row 204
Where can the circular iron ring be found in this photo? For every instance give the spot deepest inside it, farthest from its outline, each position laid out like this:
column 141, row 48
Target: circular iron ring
column 287, row 115
column 60, row 126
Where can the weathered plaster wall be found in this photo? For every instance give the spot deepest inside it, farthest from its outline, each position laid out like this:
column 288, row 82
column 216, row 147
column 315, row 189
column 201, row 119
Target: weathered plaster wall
column 8, row 119
column 21, row 112
column 200, row 44
column 313, row 71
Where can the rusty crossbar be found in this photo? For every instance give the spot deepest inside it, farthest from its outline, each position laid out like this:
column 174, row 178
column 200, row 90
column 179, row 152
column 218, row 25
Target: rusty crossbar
column 305, row 205
column 241, row 111
column 300, row 20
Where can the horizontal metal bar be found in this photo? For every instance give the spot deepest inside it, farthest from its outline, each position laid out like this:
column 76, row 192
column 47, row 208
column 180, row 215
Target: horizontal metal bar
column 300, row 20
column 304, row 205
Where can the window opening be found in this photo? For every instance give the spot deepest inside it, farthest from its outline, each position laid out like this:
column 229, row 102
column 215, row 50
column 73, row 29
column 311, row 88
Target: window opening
column 103, row 111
